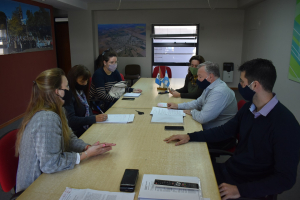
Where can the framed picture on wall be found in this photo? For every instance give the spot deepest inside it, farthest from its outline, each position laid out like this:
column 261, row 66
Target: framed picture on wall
column 127, row 40
column 24, row 28
column 294, row 68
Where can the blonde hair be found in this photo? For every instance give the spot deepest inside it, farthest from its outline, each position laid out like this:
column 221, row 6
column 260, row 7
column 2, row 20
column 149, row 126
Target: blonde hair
column 43, row 97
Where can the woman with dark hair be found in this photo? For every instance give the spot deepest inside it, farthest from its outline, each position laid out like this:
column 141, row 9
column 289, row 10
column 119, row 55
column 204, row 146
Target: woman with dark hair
column 190, row 89
column 104, row 78
column 79, row 112
column 45, row 143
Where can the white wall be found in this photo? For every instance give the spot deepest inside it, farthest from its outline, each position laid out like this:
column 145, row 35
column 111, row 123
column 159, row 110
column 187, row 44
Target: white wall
column 268, row 34
column 220, row 35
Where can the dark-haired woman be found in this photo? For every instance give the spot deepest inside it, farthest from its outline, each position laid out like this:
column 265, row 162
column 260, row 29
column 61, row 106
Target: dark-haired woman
column 190, row 89
column 79, row 113
column 104, row 78
column 45, row 143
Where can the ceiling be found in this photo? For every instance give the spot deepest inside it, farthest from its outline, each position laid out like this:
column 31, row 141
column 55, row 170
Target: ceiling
column 73, row 5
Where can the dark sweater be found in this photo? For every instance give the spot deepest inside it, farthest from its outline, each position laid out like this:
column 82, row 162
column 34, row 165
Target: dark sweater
column 189, row 91
column 102, row 83
column 76, row 117
column 266, row 157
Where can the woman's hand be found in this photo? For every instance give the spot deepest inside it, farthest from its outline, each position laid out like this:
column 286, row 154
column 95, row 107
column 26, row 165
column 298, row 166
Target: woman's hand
column 101, row 117
column 175, row 94
column 98, row 148
column 137, row 90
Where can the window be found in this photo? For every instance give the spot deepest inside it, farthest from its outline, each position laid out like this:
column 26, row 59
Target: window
column 173, row 46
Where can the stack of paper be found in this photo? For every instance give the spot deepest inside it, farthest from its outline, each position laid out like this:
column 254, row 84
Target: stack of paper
column 132, row 94
column 164, row 115
column 162, row 105
column 88, row 194
column 119, row 118
column 150, row 191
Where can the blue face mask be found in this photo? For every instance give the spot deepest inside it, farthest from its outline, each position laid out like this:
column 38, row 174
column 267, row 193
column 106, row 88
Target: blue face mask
column 203, row 84
column 246, row 92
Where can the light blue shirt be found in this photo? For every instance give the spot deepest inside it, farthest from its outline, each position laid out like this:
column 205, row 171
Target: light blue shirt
column 214, row 107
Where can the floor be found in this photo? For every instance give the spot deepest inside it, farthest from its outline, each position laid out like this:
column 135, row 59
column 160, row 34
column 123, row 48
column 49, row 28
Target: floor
column 292, row 194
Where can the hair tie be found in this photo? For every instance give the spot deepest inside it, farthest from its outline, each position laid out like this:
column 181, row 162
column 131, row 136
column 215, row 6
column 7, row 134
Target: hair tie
column 34, row 82
column 107, row 50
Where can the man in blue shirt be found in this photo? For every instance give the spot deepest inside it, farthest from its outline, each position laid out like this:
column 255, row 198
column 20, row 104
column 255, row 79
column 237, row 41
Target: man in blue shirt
column 266, row 158
column 216, row 105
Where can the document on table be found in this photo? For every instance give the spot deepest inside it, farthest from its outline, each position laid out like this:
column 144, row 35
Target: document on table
column 162, row 105
column 119, row 118
column 166, row 111
column 132, row 94
column 167, row 118
column 88, row 194
column 150, row 191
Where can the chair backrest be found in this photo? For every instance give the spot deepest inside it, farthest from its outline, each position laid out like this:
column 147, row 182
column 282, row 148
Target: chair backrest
column 122, row 77
column 9, row 163
column 132, row 69
column 241, row 103
column 163, row 71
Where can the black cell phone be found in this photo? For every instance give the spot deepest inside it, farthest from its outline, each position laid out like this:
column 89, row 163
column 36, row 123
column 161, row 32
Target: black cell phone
column 174, row 128
column 163, row 92
column 131, row 99
column 129, row 180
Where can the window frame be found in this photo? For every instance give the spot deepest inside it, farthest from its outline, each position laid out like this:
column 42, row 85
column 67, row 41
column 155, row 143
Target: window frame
column 172, row 45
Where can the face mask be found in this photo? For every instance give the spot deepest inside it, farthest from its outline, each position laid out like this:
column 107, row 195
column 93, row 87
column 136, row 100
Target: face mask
column 204, row 84
column 193, row 70
column 246, row 92
column 67, row 97
column 113, row 67
column 80, row 87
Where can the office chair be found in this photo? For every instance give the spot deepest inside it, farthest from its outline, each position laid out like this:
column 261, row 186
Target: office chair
column 163, row 71
column 9, row 163
column 132, row 72
column 122, row 77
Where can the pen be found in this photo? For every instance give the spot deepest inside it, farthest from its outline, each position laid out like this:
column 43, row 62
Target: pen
column 100, row 109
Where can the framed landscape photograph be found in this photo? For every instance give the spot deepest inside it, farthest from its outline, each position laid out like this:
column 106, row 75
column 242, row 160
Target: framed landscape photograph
column 24, row 28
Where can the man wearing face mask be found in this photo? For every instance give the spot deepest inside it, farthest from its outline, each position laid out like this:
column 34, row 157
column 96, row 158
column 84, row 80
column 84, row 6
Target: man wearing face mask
column 265, row 160
column 79, row 114
column 216, row 105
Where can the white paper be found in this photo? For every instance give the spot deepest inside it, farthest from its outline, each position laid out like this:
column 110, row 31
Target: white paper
column 119, row 118
column 132, row 94
column 166, row 111
column 149, row 191
column 88, row 194
column 162, row 105
column 167, row 118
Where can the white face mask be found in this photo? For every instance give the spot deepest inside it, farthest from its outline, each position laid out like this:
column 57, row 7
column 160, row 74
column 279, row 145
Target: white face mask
column 113, row 67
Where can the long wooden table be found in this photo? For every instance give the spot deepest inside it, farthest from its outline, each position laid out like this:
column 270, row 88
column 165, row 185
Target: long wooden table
column 140, row 146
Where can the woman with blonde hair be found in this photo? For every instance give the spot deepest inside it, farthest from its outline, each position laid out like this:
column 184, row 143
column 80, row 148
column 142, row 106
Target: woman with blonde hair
column 45, row 143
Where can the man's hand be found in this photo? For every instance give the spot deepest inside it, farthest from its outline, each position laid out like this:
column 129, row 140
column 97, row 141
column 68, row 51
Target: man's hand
column 176, row 94
column 172, row 105
column 228, row 191
column 182, row 139
column 187, row 112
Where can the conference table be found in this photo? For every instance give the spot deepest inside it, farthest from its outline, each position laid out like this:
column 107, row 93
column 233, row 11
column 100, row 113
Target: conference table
column 139, row 145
